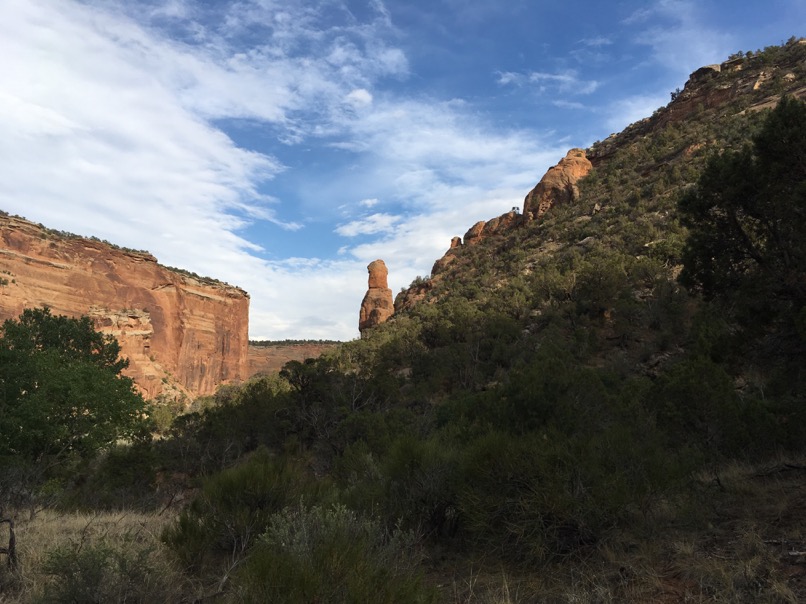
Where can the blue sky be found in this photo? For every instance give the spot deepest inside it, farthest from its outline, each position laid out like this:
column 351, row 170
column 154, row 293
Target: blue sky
column 283, row 145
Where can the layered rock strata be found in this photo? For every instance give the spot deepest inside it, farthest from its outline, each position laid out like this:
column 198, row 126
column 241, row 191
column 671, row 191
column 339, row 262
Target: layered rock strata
column 181, row 333
column 267, row 360
column 378, row 304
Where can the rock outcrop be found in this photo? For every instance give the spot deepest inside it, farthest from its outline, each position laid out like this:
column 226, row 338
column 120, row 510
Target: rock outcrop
column 714, row 86
column 378, row 304
column 270, row 359
column 181, row 333
column 758, row 80
column 558, row 185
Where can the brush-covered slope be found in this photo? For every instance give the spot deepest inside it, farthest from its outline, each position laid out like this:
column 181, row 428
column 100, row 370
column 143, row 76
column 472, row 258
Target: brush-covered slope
column 598, row 248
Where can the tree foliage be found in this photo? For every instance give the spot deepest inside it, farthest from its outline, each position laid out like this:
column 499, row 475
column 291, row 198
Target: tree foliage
column 747, row 217
column 61, row 391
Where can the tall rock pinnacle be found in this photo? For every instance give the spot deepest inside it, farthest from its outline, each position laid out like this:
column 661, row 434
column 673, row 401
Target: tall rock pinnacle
column 378, row 304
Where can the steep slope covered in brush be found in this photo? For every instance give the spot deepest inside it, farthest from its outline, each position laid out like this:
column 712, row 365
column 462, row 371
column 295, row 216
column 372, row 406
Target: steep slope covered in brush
column 599, row 262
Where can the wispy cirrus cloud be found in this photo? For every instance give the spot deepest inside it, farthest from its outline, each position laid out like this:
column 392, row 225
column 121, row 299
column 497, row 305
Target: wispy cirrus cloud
column 680, row 34
column 370, row 225
column 112, row 112
column 567, row 82
column 281, row 145
column 597, row 41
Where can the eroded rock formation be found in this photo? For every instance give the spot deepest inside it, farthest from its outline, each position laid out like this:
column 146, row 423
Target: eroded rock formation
column 180, row 333
column 378, row 304
column 558, row 185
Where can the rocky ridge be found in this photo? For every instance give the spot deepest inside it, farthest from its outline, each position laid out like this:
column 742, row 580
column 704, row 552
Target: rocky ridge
column 268, row 360
column 744, row 83
column 182, row 334
column 558, row 185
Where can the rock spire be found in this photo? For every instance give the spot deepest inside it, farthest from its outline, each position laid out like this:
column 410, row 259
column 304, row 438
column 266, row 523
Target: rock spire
column 378, row 304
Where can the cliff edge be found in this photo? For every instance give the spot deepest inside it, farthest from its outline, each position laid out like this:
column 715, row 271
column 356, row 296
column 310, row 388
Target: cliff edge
column 181, row 333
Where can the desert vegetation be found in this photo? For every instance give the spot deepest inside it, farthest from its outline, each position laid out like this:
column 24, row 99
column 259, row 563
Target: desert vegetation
column 568, row 417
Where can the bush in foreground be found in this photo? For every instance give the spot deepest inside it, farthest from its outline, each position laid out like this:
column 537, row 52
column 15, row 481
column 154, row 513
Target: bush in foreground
column 332, row 555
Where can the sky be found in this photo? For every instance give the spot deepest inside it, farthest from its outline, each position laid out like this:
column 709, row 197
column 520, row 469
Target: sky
column 283, row 145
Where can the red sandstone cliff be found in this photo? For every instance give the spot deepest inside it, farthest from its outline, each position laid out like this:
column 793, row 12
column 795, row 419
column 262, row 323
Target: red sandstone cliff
column 179, row 332
column 270, row 359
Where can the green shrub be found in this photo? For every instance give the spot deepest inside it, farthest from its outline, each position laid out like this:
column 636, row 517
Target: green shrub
column 235, row 505
column 697, row 404
column 419, row 483
column 100, row 573
column 122, row 477
column 514, row 501
column 331, row 555
column 257, row 414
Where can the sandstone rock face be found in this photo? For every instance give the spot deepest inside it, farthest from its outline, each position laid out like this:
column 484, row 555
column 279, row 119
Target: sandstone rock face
column 414, row 294
column 267, row 360
column 181, row 334
column 481, row 230
column 473, row 235
column 378, row 304
column 502, row 223
column 558, row 185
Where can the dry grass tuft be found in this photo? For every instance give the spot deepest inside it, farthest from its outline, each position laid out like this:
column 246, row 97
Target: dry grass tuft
column 130, row 537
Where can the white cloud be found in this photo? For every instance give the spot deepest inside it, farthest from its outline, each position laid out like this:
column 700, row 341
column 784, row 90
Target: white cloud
column 597, row 41
column 567, row 104
column 371, row 225
column 360, row 97
column 680, row 36
column 625, row 111
column 110, row 130
column 564, row 82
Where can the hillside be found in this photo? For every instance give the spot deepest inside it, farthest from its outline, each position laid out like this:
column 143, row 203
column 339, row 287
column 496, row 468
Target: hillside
column 627, row 203
column 598, row 399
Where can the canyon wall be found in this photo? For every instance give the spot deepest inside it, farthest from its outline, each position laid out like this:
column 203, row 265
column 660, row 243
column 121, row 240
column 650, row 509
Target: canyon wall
column 182, row 334
column 270, row 359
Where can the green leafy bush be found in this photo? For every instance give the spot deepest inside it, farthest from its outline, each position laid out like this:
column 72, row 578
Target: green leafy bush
column 234, row 507
column 331, row 555
column 122, row 477
column 61, row 392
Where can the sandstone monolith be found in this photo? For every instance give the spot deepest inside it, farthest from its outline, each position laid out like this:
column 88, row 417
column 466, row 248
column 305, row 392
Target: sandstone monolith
column 378, row 304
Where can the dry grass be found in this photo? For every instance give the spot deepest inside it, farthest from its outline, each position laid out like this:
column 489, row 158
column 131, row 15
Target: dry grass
column 132, row 534
column 733, row 538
